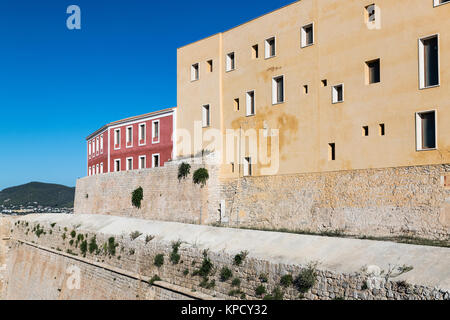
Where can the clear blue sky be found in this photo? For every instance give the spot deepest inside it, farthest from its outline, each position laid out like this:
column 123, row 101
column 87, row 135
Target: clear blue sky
column 59, row 85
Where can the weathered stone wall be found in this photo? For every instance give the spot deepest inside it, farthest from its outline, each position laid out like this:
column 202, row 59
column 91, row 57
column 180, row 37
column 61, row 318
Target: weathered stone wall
column 165, row 197
column 43, row 255
column 5, row 227
column 404, row 201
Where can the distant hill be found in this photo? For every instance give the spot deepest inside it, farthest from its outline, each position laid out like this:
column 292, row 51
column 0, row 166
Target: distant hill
column 44, row 194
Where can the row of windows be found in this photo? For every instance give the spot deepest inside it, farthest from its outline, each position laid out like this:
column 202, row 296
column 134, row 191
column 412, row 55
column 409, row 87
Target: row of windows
column 142, row 163
column 141, row 137
column 428, row 50
column 95, row 147
column 96, row 169
column 429, row 77
column 426, row 138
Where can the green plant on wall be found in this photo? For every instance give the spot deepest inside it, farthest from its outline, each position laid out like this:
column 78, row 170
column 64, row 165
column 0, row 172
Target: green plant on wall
column 137, row 196
column 159, row 260
column 225, row 274
column 174, row 255
column 201, row 176
column 183, row 170
column 306, row 279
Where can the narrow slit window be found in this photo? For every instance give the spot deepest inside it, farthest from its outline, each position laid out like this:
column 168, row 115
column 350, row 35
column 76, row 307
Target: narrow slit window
column 231, row 62
column 324, row 83
column 210, row 65
column 278, row 90
column 307, row 35
column 365, row 131
column 194, row 72
column 338, row 93
column 236, row 104
column 206, row 118
column 331, row 151
column 156, row 161
column 305, row 89
column 382, row 129
column 142, row 162
column 426, row 130
column 142, row 133
column 250, row 103
column 155, row 131
column 255, row 52
column 129, row 135
column 429, row 61
column 130, row 164
column 247, row 166
column 117, row 165
column 373, row 71
column 117, row 138
column 270, row 47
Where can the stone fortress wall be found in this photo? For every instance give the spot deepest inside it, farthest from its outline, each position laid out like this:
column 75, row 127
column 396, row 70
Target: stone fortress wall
column 390, row 202
column 51, row 257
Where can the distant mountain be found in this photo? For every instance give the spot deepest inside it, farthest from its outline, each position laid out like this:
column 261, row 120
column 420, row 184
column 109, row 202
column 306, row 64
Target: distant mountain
column 37, row 193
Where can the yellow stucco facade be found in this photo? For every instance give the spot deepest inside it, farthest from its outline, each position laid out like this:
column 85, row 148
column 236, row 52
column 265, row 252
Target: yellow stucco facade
column 308, row 121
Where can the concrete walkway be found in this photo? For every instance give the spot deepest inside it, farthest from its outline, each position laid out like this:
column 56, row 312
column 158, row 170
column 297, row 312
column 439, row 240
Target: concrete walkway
column 431, row 264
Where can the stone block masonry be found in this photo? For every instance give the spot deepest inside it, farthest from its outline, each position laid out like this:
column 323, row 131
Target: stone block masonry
column 391, row 202
column 46, row 249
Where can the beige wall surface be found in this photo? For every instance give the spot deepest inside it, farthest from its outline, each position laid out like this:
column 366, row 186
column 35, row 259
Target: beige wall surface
column 307, row 123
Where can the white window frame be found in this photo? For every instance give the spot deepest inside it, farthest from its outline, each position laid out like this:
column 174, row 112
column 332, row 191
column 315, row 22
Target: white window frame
column 145, row 162
column 248, row 112
column 229, row 65
column 367, row 15
column 117, row 161
column 267, row 53
column 127, row 160
column 437, row 3
column 117, row 137
column 153, row 131
column 206, row 117
column 140, row 138
column 303, row 35
column 131, row 136
column 90, row 172
column 153, row 160
column 195, row 72
column 275, row 90
column 334, row 93
column 419, row 146
column 90, row 149
column 97, row 169
column 101, row 168
column 422, row 62
column 97, row 146
column 101, row 144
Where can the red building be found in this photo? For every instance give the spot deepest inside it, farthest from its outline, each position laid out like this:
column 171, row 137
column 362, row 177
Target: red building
column 131, row 144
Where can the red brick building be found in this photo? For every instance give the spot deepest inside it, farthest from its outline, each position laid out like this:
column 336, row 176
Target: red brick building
column 132, row 144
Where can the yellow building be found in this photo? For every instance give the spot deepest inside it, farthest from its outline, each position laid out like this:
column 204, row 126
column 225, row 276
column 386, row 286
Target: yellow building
column 348, row 84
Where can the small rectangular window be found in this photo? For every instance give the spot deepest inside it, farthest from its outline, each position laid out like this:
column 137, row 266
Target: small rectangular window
column 365, row 131
column 194, row 72
column 142, row 164
column 307, row 35
column 439, row 2
column 338, row 93
column 426, row 130
column 429, row 61
column 382, row 129
column 236, row 104
column 155, row 160
column 206, row 118
column 90, row 149
column 155, row 131
column 247, row 166
column 129, row 163
column 210, row 65
column 232, row 166
column 117, row 165
column 270, row 48
column 142, row 133
column 117, row 138
column 97, row 145
column 331, row 151
column 101, row 167
column 231, row 63
column 373, row 71
column 255, row 52
column 129, row 136
column 305, row 89
column 370, row 13
column 278, row 90
column 250, row 103
column 324, row 83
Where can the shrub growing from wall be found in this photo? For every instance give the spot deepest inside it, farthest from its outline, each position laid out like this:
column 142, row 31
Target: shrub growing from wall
column 136, row 197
